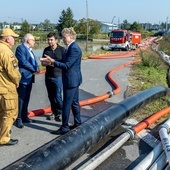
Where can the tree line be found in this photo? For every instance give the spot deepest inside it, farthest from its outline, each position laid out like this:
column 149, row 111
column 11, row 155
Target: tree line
column 82, row 27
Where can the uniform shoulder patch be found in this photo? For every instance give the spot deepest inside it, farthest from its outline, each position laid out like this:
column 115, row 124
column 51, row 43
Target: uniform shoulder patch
column 15, row 63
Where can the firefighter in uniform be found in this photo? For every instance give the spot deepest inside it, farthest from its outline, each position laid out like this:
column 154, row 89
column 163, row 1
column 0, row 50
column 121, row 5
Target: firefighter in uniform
column 9, row 81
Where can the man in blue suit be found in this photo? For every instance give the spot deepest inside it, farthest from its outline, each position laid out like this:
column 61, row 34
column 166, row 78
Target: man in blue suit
column 28, row 67
column 71, row 77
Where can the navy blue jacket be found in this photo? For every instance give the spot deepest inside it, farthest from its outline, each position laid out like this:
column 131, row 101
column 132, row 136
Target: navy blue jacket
column 71, row 66
column 26, row 65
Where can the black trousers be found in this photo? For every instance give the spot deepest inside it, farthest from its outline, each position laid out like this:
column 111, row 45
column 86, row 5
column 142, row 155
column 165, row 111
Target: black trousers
column 70, row 101
column 24, row 92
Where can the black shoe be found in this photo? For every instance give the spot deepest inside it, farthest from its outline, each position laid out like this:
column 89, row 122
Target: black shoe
column 19, row 124
column 57, row 118
column 73, row 126
column 54, row 116
column 11, row 142
column 28, row 120
column 51, row 117
column 58, row 132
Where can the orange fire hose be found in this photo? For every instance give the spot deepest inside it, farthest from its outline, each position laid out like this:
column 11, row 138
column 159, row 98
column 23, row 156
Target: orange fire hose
column 41, row 72
column 113, row 55
column 117, row 90
column 101, row 97
column 151, row 119
column 91, row 100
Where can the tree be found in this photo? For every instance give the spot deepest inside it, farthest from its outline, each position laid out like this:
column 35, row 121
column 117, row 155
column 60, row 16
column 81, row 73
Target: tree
column 47, row 25
column 136, row 27
column 93, row 27
column 80, row 28
column 66, row 20
column 162, row 25
column 125, row 25
column 11, row 26
column 25, row 28
column 1, row 25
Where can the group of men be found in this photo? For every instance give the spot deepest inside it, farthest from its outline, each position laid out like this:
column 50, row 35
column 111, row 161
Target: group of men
column 17, row 73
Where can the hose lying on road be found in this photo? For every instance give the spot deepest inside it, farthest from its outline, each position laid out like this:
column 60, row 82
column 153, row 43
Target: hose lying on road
column 94, row 99
column 104, row 96
column 122, row 139
column 114, row 55
column 78, row 141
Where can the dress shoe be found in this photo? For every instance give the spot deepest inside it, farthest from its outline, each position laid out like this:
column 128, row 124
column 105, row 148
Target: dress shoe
column 51, row 117
column 57, row 118
column 27, row 120
column 74, row 126
column 19, row 124
column 58, row 132
column 54, row 116
column 11, row 142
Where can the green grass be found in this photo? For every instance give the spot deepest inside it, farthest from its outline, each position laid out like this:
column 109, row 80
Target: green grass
column 150, row 72
column 164, row 44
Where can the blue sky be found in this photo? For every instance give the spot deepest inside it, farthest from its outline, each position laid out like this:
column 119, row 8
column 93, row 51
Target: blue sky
column 36, row 11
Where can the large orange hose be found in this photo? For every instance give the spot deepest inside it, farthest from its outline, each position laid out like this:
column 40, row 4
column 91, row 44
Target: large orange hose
column 101, row 97
column 113, row 55
column 117, row 90
column 94, row 99
column 151, row 119
column 39, row 111
column 42, row 72
column 91, row 100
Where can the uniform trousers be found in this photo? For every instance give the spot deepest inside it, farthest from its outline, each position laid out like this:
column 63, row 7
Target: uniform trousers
column 8, row 115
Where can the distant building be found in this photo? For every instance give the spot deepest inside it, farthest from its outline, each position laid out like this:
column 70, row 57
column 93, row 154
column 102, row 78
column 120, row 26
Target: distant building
column 7, row 26
column 149, row 26
column 17, row 27
column 107, row 27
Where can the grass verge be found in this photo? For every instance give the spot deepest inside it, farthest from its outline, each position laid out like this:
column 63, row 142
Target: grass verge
column 150, row 72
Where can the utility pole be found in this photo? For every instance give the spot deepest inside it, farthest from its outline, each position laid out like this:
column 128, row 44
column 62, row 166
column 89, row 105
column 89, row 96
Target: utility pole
column 87, row 25
column 118, row 24
column 167, row 23
column 113, row 21
column 9, row 21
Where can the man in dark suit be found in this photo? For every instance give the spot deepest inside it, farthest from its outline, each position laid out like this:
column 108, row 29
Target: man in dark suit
column 71, row 77
column 28, row 67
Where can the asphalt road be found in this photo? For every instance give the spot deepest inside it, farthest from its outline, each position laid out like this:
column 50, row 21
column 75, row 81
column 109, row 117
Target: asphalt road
column 95, row 83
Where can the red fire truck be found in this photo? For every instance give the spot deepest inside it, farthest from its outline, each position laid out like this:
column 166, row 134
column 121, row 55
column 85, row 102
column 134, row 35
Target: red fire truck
column 124, row 39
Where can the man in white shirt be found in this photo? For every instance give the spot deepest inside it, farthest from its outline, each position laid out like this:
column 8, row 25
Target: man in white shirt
column 28, row 67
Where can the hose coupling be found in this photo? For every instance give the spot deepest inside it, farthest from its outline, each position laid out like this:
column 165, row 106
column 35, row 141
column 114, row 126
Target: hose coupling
column 166, row 127
column 131, row 132
column 110, row 94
